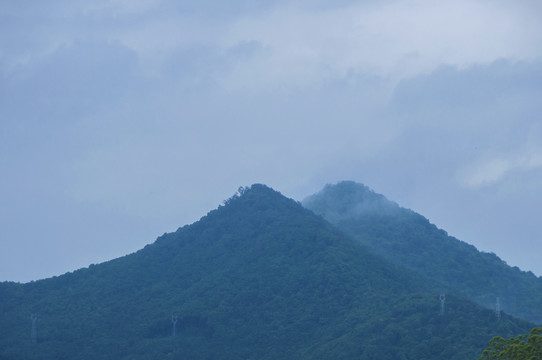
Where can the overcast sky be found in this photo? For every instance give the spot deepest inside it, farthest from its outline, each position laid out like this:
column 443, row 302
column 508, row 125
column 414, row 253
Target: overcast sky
column 124, row 119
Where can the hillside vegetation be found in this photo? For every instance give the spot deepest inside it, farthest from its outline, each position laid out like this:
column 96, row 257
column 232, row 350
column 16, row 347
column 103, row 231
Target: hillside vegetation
column 409, row 239
column 258, row 278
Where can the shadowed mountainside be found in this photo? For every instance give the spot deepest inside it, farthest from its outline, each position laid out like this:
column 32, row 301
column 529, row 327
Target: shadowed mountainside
column 409, row 239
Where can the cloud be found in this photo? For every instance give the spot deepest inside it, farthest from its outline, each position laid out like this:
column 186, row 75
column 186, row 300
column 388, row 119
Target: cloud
column 397, row 39
column 74, row 81
column 305, row 43
column 496, row 169
column 147, row 114
column 474, row 117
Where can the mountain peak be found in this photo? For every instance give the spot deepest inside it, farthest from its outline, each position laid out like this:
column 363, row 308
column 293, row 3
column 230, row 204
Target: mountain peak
column 255, row 198
column 255, row 191
column 348, row 199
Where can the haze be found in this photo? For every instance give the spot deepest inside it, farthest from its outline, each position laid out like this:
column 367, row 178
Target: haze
column 122, row 120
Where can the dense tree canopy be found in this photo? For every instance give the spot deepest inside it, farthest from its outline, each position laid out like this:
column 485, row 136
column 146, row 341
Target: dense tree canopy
column 522, row 347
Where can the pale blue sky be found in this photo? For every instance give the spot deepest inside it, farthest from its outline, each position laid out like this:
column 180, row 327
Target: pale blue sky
column 121, row 120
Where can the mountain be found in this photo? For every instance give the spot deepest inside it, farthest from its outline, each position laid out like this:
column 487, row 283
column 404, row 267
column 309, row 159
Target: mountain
column 409, row 239
column 260, row 277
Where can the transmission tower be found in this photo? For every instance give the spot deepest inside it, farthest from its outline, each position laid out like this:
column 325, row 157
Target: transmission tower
column 442, row 298
column 33, row 331
column 174, row 319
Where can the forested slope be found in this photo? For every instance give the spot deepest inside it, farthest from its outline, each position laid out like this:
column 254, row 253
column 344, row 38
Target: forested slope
column 259, row 278
column 409, row 239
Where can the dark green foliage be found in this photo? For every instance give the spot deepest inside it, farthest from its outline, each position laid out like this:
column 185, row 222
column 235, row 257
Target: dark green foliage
column 258, row 278
column 522, row 347
column 407, row 238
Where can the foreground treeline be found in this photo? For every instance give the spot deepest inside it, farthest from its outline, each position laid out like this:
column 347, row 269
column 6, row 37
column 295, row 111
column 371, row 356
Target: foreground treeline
column 522, row 347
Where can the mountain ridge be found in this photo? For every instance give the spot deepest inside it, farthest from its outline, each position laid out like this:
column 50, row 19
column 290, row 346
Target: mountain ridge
column 259, row 277
column 407, row 238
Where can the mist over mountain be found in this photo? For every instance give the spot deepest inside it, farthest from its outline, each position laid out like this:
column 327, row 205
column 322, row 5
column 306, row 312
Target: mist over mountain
column 405, row 237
